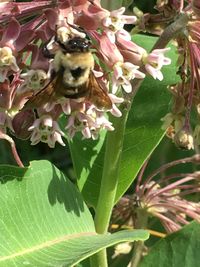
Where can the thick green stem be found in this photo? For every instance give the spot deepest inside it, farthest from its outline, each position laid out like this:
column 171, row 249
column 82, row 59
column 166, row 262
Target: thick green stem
column 109, row 183
column 99, row 259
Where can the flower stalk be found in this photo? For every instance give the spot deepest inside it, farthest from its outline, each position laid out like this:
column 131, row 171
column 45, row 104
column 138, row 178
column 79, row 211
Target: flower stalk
column 110, row 176
column 106, row 201
column 13, row 148
column 142, row 219
column 172, row 31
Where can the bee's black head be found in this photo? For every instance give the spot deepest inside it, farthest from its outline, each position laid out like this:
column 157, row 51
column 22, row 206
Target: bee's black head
column 76, row 44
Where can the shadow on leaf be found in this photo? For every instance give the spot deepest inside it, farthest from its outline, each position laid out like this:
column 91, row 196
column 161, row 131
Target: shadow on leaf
column 63, row 191
column 10, row 173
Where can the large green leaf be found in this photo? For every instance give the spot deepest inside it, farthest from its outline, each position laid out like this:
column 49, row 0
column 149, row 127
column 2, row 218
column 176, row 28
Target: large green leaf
column 143, row 133
column 111, row 4
column 44, row 221
column 179, row 249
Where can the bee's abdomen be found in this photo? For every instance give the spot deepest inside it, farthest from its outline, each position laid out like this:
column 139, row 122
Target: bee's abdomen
column 76, row 92
column 75, row 77
column 77, row 73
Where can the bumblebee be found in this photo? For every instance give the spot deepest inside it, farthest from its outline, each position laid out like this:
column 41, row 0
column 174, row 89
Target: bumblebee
column 72, row 76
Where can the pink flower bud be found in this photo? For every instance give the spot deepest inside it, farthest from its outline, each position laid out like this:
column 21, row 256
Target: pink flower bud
column 21, row 123
column 108, row 50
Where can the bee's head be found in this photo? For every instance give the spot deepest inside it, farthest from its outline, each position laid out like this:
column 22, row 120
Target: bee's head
column 76, row 44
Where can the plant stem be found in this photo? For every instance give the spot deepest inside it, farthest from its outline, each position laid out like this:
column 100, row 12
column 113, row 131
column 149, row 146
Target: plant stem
column 110, row 176
column 109, row 183
column 172, row 31
column 137, row 253
column 99, row 259
column 142, row 218
column 13, row 148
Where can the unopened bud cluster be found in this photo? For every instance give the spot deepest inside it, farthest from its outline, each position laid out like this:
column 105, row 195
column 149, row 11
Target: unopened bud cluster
column 185, row 94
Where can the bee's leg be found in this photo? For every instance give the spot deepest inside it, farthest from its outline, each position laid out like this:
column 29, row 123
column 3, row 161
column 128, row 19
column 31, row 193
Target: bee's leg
column 46, row 53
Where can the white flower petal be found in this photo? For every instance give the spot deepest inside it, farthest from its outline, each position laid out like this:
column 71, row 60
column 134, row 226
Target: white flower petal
column 151, row 70
column 115, row 111
column 139, row 74
column 115, row 87
column 159, row 75
column 129, row 19
column 116, row 99
column 86, row 133
column 127, row 87
column 117, row 12
column 111, row 36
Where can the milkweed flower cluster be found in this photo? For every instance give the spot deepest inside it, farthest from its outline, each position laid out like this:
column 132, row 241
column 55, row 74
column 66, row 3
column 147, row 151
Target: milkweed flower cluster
column 26, row 66
column 164, row 197
column 166, row 202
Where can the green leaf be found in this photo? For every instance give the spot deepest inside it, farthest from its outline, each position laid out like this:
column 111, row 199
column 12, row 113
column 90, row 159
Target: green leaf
column 44, row 221
column 143, row 131
column 143, row 134
column 127, row 3
column 111, row 4
column 147, row 6
column 178, row 249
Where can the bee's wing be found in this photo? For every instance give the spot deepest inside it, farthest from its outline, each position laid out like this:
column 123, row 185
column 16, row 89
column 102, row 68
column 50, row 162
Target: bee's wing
column 97, row 95
column 47, row 95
